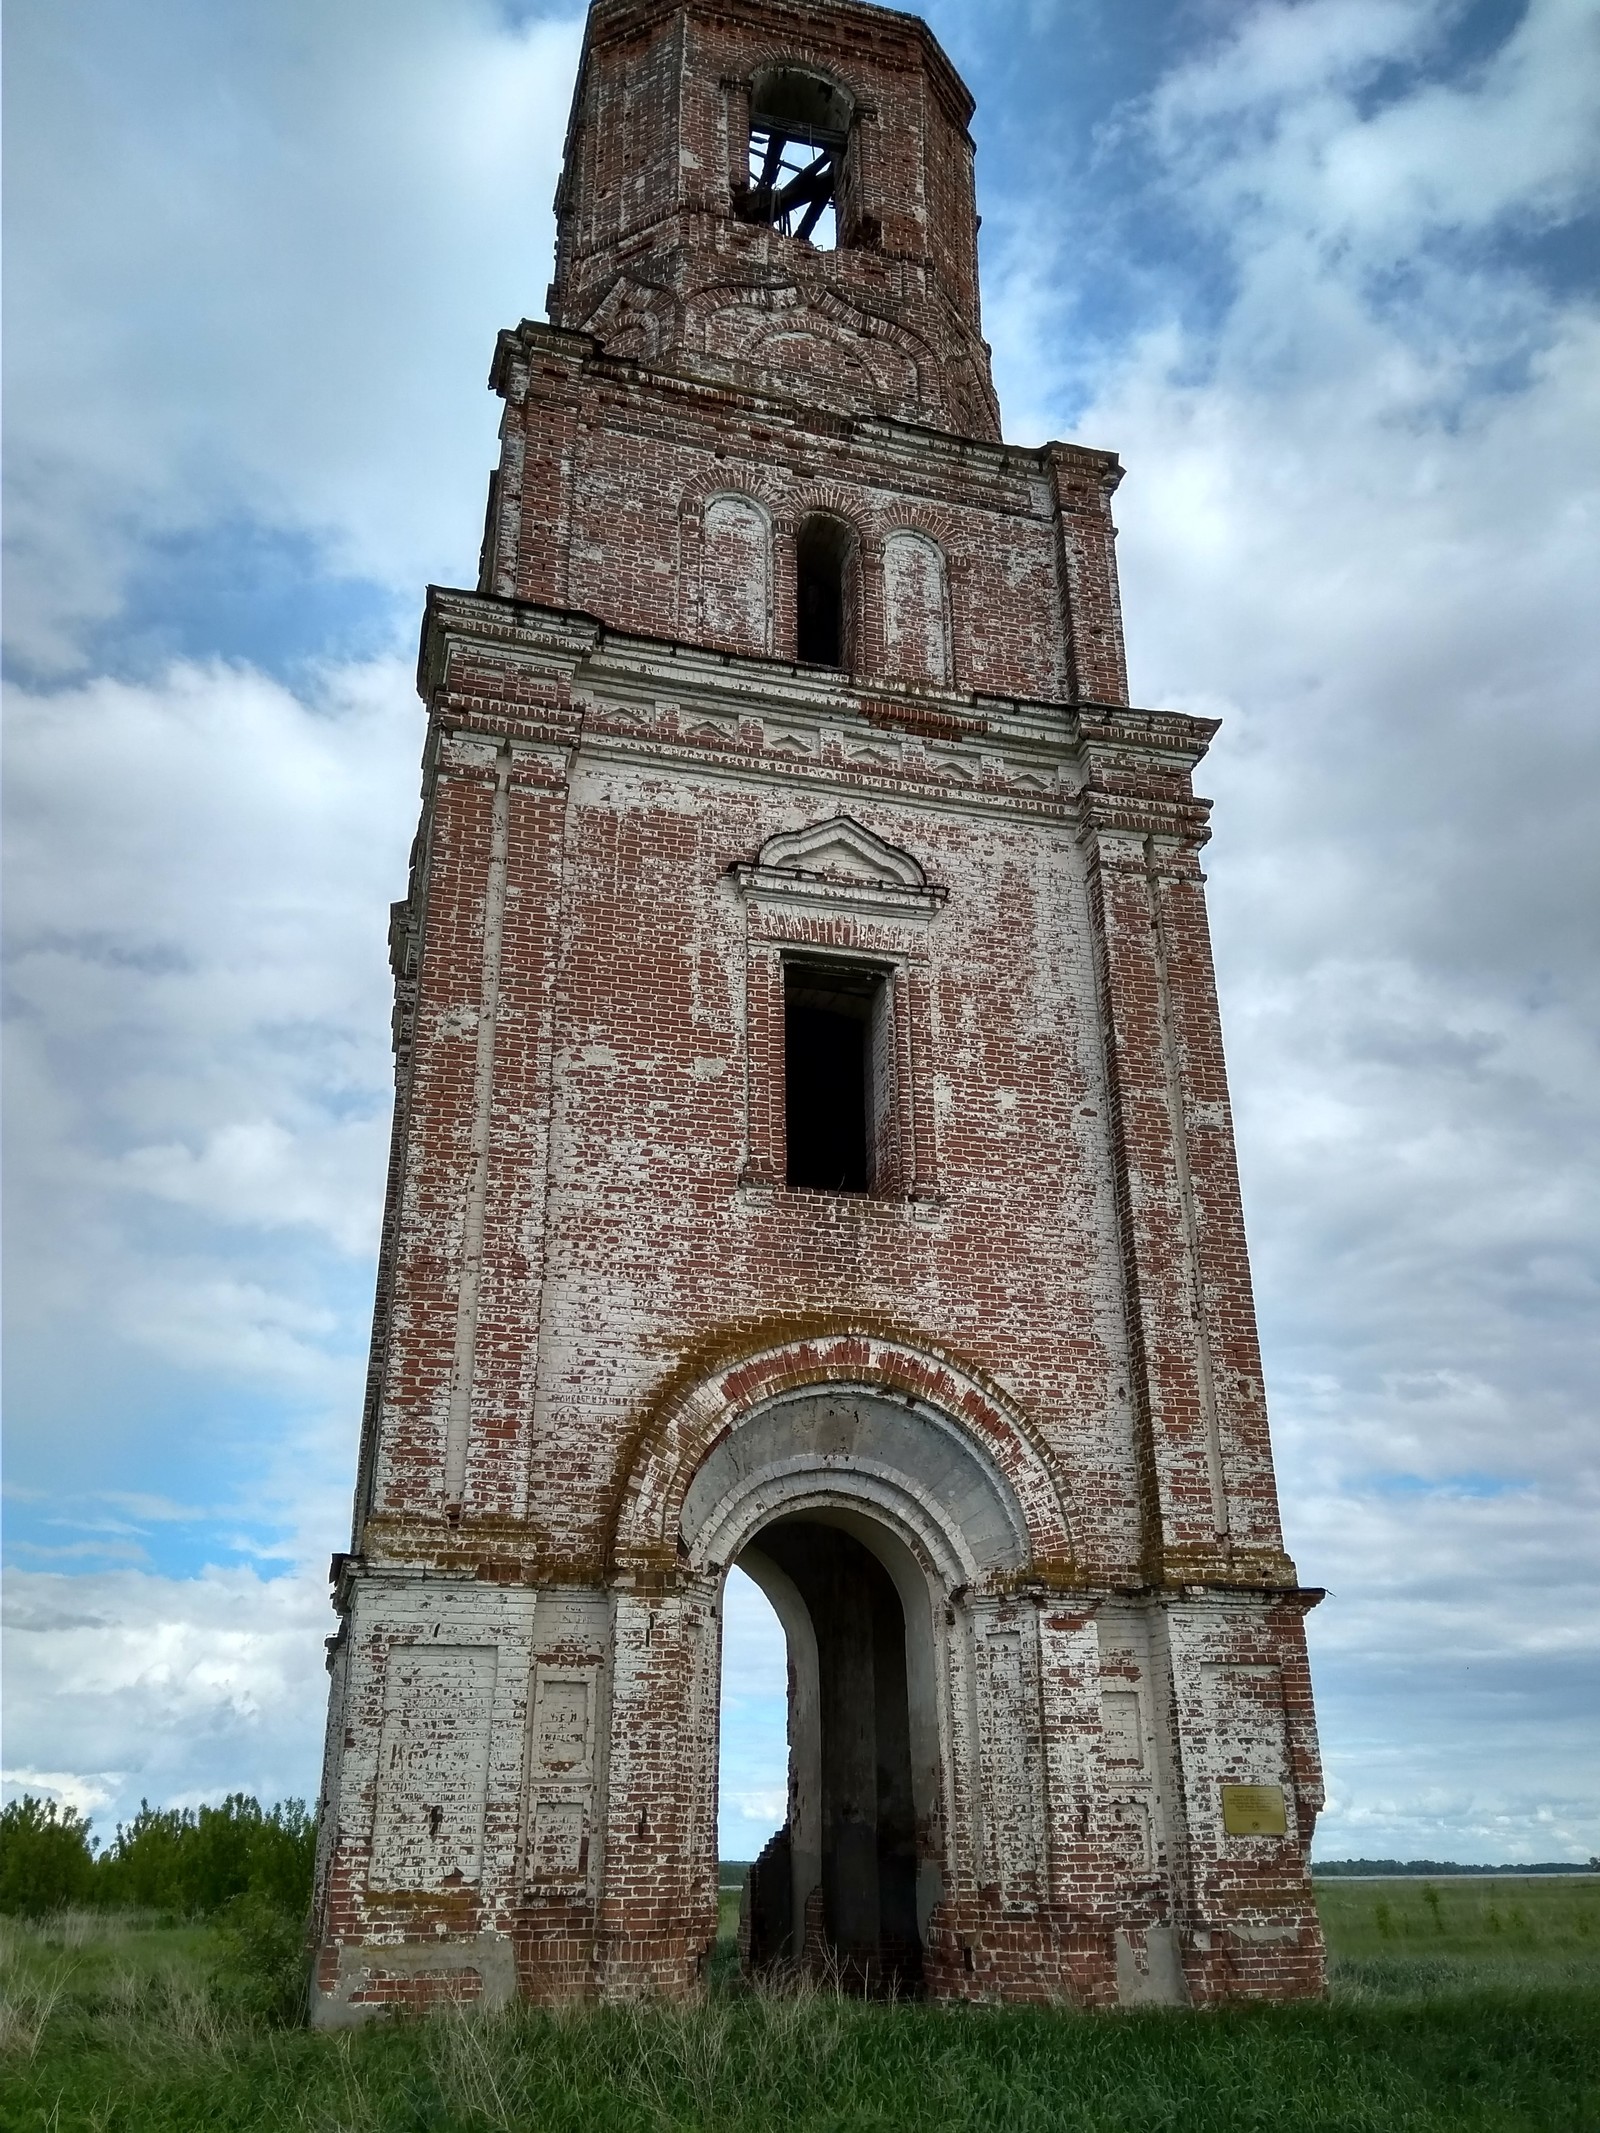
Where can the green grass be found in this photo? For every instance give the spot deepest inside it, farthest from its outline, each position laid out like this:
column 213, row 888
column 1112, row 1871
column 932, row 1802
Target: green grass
column 1469, row 2009
column 1422, row 1938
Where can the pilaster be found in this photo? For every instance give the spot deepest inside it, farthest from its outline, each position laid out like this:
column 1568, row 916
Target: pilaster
column 1211, row 1508
column 481, row 930
column 1082, row 485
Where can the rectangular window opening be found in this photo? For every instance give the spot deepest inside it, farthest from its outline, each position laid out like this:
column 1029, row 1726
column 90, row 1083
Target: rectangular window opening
column 834, row 1086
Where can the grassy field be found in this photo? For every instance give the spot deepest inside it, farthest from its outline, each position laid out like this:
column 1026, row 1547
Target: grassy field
column 1456, row 2007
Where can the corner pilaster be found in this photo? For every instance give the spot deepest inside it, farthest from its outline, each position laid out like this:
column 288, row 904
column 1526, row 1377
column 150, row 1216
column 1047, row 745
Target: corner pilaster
column 1083, row 483
column 1211, row 1506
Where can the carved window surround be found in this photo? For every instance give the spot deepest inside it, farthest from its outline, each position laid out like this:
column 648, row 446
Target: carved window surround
column 835, row 893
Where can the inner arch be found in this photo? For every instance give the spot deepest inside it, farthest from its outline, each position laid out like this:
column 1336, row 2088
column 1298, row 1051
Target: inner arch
column 923, row 1473
column 841, row 1888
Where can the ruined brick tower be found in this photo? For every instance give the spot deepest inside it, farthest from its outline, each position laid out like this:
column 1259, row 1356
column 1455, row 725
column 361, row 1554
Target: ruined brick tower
column 811, row 1148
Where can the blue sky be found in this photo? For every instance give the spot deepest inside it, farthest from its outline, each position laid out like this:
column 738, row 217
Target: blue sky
column 1326, row 273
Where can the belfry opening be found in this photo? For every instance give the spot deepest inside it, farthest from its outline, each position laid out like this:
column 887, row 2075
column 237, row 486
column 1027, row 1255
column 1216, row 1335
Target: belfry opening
column 799, row 131
column 834, row 1893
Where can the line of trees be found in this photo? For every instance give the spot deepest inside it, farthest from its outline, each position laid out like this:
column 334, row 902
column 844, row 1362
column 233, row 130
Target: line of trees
column 1431, row 1869
column 191, row 1862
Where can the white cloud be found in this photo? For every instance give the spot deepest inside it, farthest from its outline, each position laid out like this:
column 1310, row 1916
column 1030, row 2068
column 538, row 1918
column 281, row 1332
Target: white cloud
column 88, row 1795
column 234, row 1326
column 126, row 1685
column 1279, row 97
column 256, row 1170
column 266, row 259
column 261, row 257
column 763, row 1805
column 199, row 870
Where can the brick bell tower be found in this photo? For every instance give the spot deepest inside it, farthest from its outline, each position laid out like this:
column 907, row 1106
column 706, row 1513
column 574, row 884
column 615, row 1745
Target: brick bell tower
column 812, row 1147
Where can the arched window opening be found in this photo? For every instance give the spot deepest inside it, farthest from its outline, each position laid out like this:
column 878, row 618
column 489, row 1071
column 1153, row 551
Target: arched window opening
column 822, row 552
column 799, row 128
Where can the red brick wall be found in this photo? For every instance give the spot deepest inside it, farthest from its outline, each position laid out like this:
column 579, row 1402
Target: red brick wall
column 593, row 1273
column 652, row 259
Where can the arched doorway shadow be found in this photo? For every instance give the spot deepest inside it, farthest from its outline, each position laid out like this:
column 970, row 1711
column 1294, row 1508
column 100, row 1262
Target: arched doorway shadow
column 836, row 1891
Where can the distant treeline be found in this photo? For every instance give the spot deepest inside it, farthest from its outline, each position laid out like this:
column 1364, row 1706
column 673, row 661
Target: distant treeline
column 188, row 1861
column 1431, row 1867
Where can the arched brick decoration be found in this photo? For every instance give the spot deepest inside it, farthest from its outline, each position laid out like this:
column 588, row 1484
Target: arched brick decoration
column 775, row 58
column 674, row 1441
column 736, row 573
column 822, row 499
column 912, row 515
column 636, row 320
column 842, row 349
column 713, row 481
column 916, row 609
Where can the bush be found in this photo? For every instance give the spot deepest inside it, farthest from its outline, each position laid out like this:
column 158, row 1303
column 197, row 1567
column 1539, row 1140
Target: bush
column 193, row 1861
column 265, row 1971
column 46, row 1857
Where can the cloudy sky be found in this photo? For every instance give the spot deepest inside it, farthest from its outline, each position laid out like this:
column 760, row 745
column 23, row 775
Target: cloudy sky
column 1327, row 274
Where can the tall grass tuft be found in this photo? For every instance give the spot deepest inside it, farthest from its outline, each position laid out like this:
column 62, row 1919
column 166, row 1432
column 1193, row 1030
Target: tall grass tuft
column 29, row 1993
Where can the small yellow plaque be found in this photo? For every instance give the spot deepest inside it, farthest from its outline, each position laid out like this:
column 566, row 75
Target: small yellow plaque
column 1254, row 1811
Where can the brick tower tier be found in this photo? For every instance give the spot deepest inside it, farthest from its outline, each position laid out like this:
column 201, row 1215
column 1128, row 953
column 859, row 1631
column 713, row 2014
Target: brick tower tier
column 812, row 1147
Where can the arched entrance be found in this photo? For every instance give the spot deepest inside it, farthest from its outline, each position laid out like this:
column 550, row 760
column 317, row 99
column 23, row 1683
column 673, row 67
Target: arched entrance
column 869, row 1519
column 775, row 1461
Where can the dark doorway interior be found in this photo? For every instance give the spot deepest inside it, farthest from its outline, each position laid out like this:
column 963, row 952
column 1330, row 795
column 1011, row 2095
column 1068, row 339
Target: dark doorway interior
column 828, row 1019
column 860, row 1921
column 821, row 551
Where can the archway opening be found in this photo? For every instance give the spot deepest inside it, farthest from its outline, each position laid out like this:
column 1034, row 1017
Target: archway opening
column 835, row 1891
column 753, row 1733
